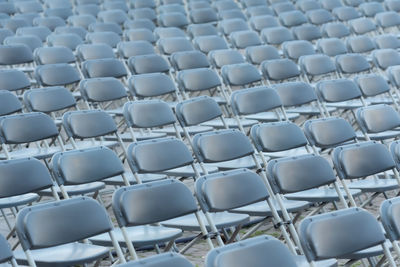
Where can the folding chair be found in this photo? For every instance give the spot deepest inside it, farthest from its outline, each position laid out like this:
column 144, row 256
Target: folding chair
column 371, row 9
column 170, row 259
column 143, row 3
column 347, row 239
column 140, row 24
column 257, row 54
column 387, row 20
column 392, row 5
column 105, row 27
column 14, row 80
column 244, row 39
column 209, row 43
column 228, row 26
column 276, row 35
column 350, row 64
column 360, row 44
column 168, row 32
column 54, row 55
column 232, row 14
column 189, row 60
column 37, row 128
column 317, row 65
column 331, row 4
column 362, row 26
column 278, row 70
column 134, row 48
column 173, row 19
column 9, row 103
column 57, row 74
column 388, row 211
column 117, row 16
column 139, row 35
column 39, row 31
column 335, row 30
column 170, row 45
column 387, row 41
column 196, row 30
column 148, row 64
column 374, row 87
column 105, row 67
column 108, row 38
column 83, row 20
column 378, row 129
column 258, row 23
column 295, row 49
column 306, row 5
column 280, row 7
column 94, row 51
column 261, row 251
column 72, row 220
column 372, row 159
column 69, row 40
column 292, row 18
column 307, row 32
column 49, row 22
column 13, row 24
column 80, row 31
column 143, row 13
column 331, row 46
column 7, row 255
column 87, row 9
column 222, row 57
column 319, row 16
column 385, row 58
column 241, row 75
column 346, row 13
column 5, row 33
column 31, row 41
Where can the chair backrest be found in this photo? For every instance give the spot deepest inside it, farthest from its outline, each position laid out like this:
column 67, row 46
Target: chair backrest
column 277, row 136
column 295, row 49
column 21, row 176
column 222, row 57
column 329, row 132
column 385, row 58
column 217, row 146
column 88, row 123
column 56, row 74
column 5, row 250
column 352, row 63
column 240, row 74
column 49, row 99
column 9, row 103
column 372, row 84
column 102, row 89
column 295, row 93
column 387, row 41
column 61, row 222
column 134, row 48
column 197, row 110
column 335, row 30
column 361, row 160
column 85, row 166
column 167, row 46
column 151, row 84
column 276, row 35
column 106, row 67
column 338, row 90
column 331, row 46
column 148, row 113
column 260, row 251
column 158, row 155
column 389, row 211
column 54, row 55
column 254, row 100
column 169, row 259
column 152, row 202
column 294, row 174
column 316, row 64
column 148, row 64
column 236, row 183
column 257, row 54
column 13, row 80
column 26, row 128
column 346, row 233
column 198, row 79
column 377, row 118
column 360, row 44
column 94, row 51
column 279, row 69
column 189, row 60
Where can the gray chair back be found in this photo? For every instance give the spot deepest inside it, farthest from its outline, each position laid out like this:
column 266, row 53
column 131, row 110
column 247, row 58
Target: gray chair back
column 49, row 99
column 197, row 110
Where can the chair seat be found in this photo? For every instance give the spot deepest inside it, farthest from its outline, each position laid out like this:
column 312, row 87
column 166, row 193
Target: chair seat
column 288, row 153
column 221, row 220
column 74, row 190
column 369, row 252
column 146, row 177
column 271, row 116
column 308, row 110
column 231, row 122
column 140, row 136
column 19, row 200
column 262, row 208
column 187, row 171
column 351, row 104
column 374, row 185
column 42, row 153
column 140, row 236
column 64, row 255
column 320, row 195
column 245, row 162
column 192, row 130
column 378, row 136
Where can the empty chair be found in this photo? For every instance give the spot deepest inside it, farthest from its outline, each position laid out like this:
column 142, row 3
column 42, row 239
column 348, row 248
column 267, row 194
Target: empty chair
column 7, row 254
column 15, row 55
column 29, row 7
column 105, row 27
column 281, row 7
column 13, row 80
column 83, row 20
column 257, row 54
column 80, row 31
column 307, row 32
column 388, row 19
column 385, row 58
column 39, row 31
column 134, row 48
column 292, row 18
column 195, row 30
column 360, row 44
column 345, row 13
column 167, row 46
column 49, row 22
column 9, row 103
column 331, row 4
column 173, row 19
column 242, row 74
column 87, row 9
column 13, row 24
column 371, row 9
column 5, row 33
column 331, row 46
column 106, row 67
column 279, row 69
column 374, row 86
column 393, row 5
column 54, row 55
column 165, row 259
column 319, row 16
column 295, row 49
column 220, row 58
column 387, row 41
column 143, row 13
column 140, row 24
column 228, row 26
column 148, row 64
column 140, row 35
column 316, row 65
column 56, row 74
column 70, row 40
column 168, row 32
column 244, row 39
column 59, row 238
column 203, row 15
column 258, row 23
column 62, row 12
column 31, row 41
column 109, row 38
column 225, row 5
column 362, row 25
column 306, row 5
column 37, row 127
column 143, row 3
column 189, row 60
column 276, row 35
column 209, row 43
column 348, row 239
column 94, row 51
column 335, row 30
column 232, row 14
column 388, row 210
column 352, row 63
column 113, row 15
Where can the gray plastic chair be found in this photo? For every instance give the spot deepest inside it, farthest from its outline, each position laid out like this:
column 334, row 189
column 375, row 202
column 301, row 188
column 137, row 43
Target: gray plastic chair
column 360, row 44
column 307, row 32
column 54, row 55
column 108, row 38
column 362, row 26
column 276, row 35
column 203, row 15
column 140, row 24
column 139, row 35
column 393, row 5
column 112, row 16
column 9, row 103
column 292, row 18
column 244, row 39
column 371, row 9
column 278, row 70
column 106, row 67
column 388, row 211
column 13, row 80
column 38, row 127
column 346, row 13
column 319, row 16
column 306, row 5
column 387, row 41
column 189, row 60
column 258, row 23
column 209, row 43
column 257, row 54
column 94, row 51
column 170, row 45
column 168, row 32
column 173, row 19
column 49, row 22
column 6, row 253
column 242, row 74
column 378, row 129
column 57, row 74
column 170, row 259
column 83, row 20
column 349, row 64
column 143, row 13
column 196, row 30
column 232, row 14
column 134, row 48
column 220, row 58
column 335, row 30
column 39, row 31
column 31, row 41
column 80, row 31
column 72, row 220
column 316, row 65
column 283, row 6
column 228, row 26
column 374, row 87
column 148, row 64
column 372, row 159
column 385, row 58
column 331, row 46
column 295, row 49
column 70, row 40
column 387, row 19
column 105, row 27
